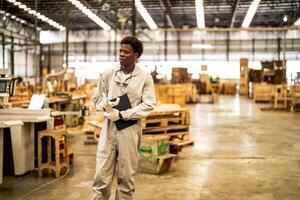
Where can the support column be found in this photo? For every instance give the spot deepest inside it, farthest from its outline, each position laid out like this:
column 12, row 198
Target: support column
column 133, row 18
column 84, row 44
column 41, row 62
column 35, row 46
column 115, row 45
column 67, row 11
column 49, row 59
column 3, row 50
column 278, row 47
column 12, row 58
column 166, row 37
column 178, row 46
column 227, row 46
column 253, row 49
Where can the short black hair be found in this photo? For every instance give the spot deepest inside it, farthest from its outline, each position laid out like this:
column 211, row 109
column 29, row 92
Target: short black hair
column 136, row 44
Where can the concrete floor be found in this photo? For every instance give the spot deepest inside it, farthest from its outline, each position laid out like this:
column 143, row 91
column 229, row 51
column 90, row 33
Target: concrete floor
column 240, row 152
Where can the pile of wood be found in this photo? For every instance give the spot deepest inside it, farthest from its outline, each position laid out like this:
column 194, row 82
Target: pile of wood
column 169, row 120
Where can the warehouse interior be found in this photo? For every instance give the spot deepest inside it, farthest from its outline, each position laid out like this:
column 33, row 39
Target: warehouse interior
column 227, row 85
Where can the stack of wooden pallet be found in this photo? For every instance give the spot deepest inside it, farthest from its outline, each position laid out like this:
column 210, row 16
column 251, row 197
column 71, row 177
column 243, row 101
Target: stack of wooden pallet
column 169, row 120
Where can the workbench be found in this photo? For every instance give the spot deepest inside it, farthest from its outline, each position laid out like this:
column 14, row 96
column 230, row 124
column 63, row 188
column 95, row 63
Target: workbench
column 18, row 144
column 23, row 142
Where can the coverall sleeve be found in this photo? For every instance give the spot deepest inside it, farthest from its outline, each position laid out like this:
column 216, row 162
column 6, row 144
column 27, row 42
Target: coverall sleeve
column 97, row 97
column 147, row 104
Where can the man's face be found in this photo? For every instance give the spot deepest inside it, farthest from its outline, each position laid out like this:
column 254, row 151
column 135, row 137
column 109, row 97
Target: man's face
column 127, row 56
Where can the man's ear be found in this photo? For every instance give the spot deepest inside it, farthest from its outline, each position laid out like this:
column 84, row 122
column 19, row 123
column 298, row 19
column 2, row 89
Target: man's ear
column 136, row 55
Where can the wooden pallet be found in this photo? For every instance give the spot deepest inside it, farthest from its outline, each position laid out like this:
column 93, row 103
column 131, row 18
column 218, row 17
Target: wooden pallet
column 92, row 130
column 168, row 130
column 162, row 118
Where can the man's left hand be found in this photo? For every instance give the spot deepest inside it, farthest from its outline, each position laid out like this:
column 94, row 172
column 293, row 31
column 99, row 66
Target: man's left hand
column 113, row 115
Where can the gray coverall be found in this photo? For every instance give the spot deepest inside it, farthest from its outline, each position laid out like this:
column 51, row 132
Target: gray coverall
column 118, row 150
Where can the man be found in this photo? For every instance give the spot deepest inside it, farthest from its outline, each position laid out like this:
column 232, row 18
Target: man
column 118, row 149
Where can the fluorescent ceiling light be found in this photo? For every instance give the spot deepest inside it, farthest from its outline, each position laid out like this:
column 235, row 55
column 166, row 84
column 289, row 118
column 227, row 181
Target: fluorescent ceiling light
column 35, row 13
column 202, row 46
column 90, row 14
column 13, row 17
column 297, row 23
column 144, row 13
column 200, row 13
column 250, row 13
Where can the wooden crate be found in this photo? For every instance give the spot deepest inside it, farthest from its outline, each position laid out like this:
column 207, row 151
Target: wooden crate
column 180, row 75
column 170, row 93
column 295, row 95
column 263, row 92
column 229, row 88
column 191, row 95
column 154, row 145
column 154, row 156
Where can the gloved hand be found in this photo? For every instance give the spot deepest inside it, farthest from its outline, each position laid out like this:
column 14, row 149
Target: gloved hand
column 113, row 115
column 105, row 104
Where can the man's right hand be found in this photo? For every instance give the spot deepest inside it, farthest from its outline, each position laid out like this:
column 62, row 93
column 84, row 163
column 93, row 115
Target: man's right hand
column 105, row 104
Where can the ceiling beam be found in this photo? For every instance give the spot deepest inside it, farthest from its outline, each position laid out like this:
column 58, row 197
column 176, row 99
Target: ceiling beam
column 234, row 14
column 165, row 5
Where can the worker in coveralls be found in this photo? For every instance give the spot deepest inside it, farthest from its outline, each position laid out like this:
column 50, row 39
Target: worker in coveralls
column 118, row 149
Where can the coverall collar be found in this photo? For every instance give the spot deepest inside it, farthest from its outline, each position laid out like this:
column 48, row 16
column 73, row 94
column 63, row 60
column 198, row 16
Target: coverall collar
column 135, row 71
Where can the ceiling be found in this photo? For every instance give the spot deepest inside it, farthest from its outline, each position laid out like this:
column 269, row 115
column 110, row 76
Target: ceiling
column 218, row 13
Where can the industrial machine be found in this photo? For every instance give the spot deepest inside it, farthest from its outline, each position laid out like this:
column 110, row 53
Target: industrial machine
column 7, row 86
